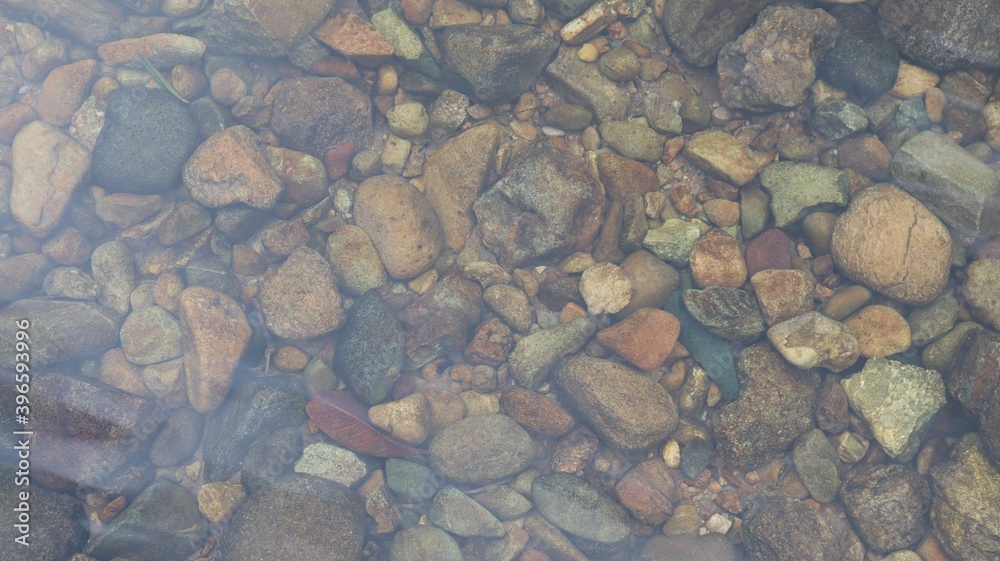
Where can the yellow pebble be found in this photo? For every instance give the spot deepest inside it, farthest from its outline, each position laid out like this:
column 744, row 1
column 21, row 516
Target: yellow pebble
column 587, row 52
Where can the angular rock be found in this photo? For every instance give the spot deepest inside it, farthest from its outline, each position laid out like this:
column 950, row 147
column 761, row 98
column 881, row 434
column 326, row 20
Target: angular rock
column 455, row 512
column 216, row 334
column 537, row 353
column 112, row 265
column 967, row 502
column 944, row 35
column 48, row 167
column 246, row 27
column 332, row 463
column 818, row 465
column 370, row 351
column 355, row 38
column 898, row 401
column 973, row 377
column 230, row 167
column 933, row 320
column 888, row 504
column 521, row 223
column 60, row 330
column 64, row 91
column 583, row 83
column 783, row 293
column 814, row 340
column 728, row 312
column 645, row 338
column 700, row 29
column 722, row 155
column 314, row 115
column 798, row 189
column 777, row 527
column 622, row 176
column 301, row 300
column 481, row 449
column 673, row 241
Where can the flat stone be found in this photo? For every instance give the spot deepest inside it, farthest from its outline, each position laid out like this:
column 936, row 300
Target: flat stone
column 728, row 312
column 783, row 293
column 982, row 291
column 967, row 492
column 60, row 330
column 301, row 300
column 880, row 331
column 48, row 166
column 540, row 414
column 22, row 274
column 230, row 167
column 918, row 29
column 457, row 513
column 818, row 465
column 355, row 38
column 633, row 139
column 722, row 155
column 537, row 353
column 798, row 189
column 645, row 338
column 242, row 27
column 481, row 449
column 888, row 505
column 407, row 44
column 652, row 281
column 583, row 83
column 898, row 401
column 673, row 241
column 700, row 29
column 814, row 340
column 332, row 463
column 579, row 508
column 314, row 115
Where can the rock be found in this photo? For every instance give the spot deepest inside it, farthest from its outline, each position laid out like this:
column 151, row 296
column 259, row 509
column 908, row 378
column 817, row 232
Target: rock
column 880, row 331
column 972, row 379
column 455, row 173
column 494, row 64
column 297, row 518
column 887, row 504
column 866, row 155
column 408, row 120
column 370, row 350
column 777, row 527
column 59, row 330
column 240, row 27
column 304, row 176
column 301, row 300
column 783, row 293
column 112, row 265
column 178, row 439
column 862, row 61
column 354, row 260
column 710, row 547
column 70, row 283
column 652, row 281
column 401, row 224
column 48, row 167
column 605, row 289
column 710, row 351
column 420, row 542
column 481, row 449
column 774, row 408
column 627, row 409
column 150, row 335
column 270, row 458
column 798, row 189
column 230, row 167
column 216, row 334
column 537, row 353
column 22, row 274
column 981, row 290
column 456, row 512
column 645, row 338
column 647, row 491
column 579, row 508
column 332, row 463
column 671, row 89
column 163, row 50
column 256, row 408
column 622, row 176
column 633, row 139
column 695, row 457
column 956, row 186
column 583, row 83
column 899, row 422
column 965, row 509
column 839, row 119
column 673, row 241
column 717, row 260
column 147, row 137
column 722, row 155
column 728, row 312
column 407, row 44
column 891, row 243
column 934, row 319
column 542, row 415
column 619, row 64
column 566, row 9
column 162, row 523
column 109, row 426
column 64, row 91
column 511, row 304
column 522, row 224
column 818, row 465
column 750, row 74
column 406, row 419
column 54, row 518
column 939, row 354
column 814, row 340
column 568, row 117
column 354, row 37
column 314, row 115
column 699, row 30
column 943, row 35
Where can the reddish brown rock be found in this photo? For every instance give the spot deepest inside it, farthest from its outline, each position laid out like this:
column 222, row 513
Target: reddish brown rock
column 772, row 249
column 880, row 330
column 866, row 155
column 491, row 343
column 64, row 90
column 355, row 38
column 644, row 338
column 717, row 260
column 783, row 293
column 12, row 118
column 230, row 167
column 574, row 451
column 622, row 176
column 542, row 415
column 647, row 491
column 974, row 376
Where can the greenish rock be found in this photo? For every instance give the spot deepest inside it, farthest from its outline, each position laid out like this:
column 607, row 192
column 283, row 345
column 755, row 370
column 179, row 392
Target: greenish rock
column 456, row 513
column 755, row 211
column 504, row 502
column 710, row 351
column 797, row 148
column 178, row 439
column 912, row 113
column 695, row 457
column 966, row 508
column 162, row 524
column 633, row 139
column 408, row 119
column 625, row 407
column 663, row 115
column 898, row 401
column 318, row 377
column 728, row 312
column 958, row 188
column 797, row 189
column 407, row 44
column 568, row 117
column 537, row 353
column 411, row 482
column 940, row 353
column 371, row 350
column 863, row 60
column 578, row 508
column 699, row 28
column 839, row 119
column 818, row 465
column 422, row 543
column 583, row 83
column 710, row 547
column 635, row 225
column 671, row 89
column 481, row 449
column 566, row 9
column 933, row 320
column 673, row 241
column 619, row 64
column 150, row 335
column 59, row 330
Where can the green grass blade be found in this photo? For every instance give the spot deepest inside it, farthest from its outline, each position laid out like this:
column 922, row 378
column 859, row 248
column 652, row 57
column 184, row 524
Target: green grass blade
column 159, row 77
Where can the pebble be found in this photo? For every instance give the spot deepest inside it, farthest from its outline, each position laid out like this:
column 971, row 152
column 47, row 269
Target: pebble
column 971, row 378
column 645, row 338
column 313, row 115
column 837, row 120
column 451, row 455
column 940, row 353
column 620, row 64
column 880, row 330
column 845, row 301
column 587, row 52
column 511, row 304
column 64, row 91
column 457, row 513
column 230, row 167
column 818, row 465
column 722, row 155
column 673, row 241
column 814, row 340
column 301, row 300
column 652, row 281
column 605, row 289
column 537, row 353
column 728, row 312
column 406, row 419
column 150, row 335
column 408, row 120
column 695, row 457
column 543, row 415
column 717, row 260
column 633, row 139
column 865, row 154
column 584, row 84
column 112, row 266
column 798, row 189
column 913, row 80
column 354, row 37
column 647, row 491
column 227, row 87
column 710, row 351
column 331, row 462
column 782, row 528
column 70, row 283
column 981, row 290
column 371, row 349
column 420, row 542
column 899, row 422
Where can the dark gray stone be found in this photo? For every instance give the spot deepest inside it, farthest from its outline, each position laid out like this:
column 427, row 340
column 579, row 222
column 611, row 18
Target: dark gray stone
column 944, row 34
column 695, row 457
column 888, row 505
column 700, row 28
column 494, row 63
column 566, row 9
column 162, row 524
column 270, row 458
column 577, row 507
column 212, row 274
column 178, row 439
column 711, row 351
column 60, row 330
column 254, row 407
column 728, row 312
column 777, row 527
column 148, row 136
column 371, row 349
column 313, row 115
column 238, row 221
column 55, row 526
column 817, row 464
column 481, row 449
column 297, row 518
column 863, row 61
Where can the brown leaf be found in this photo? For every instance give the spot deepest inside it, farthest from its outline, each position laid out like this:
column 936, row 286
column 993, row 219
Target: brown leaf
column 345, row 419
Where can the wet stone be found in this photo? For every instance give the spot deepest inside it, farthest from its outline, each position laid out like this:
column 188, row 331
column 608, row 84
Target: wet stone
column 178, row 439
column 633, row 139
column 60, row 330
column 55, row 522
column 710, row 351
column 722, row 155
column 230, row 167
column 313, row 115
column 938, row 354
column 780, row 528
column 814, row 340
column 918, row 29
column 150, row 335
column 647, row 491
column 769, row 250
column 537, row 353
column 863, row 60
column 972, row 378
column 728, row 312
column 457, row 513
column 540, row 414
column 584, row 84
column 798, row 188
column 269, row 458
column 982, row 290
column 673, row 241
column 783, row 293
column 695, row 456
column 898, row 401
column 568, row 117
column 511, row 304
column 22, row 274
column 710, row 547
column 818, row 465
column 301, row 299
column 420, row 542
column 888, row 505
column 411, row 482
column 935, row 319
column 645, row 338
column 70, row 283
column 965, row 508
column 500, row 448
column 331, row 462
column 355, row 260
column 215, row 334
column 717, row 260
column 239, row 27
column 370, row 353
column 505, row 502
column 579, row 508
column 839, row 119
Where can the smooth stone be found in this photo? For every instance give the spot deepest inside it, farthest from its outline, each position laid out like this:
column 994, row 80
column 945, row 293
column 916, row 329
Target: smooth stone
column 798, row 189
column 408, row 120
column 314, row 115
column 652, row 281
column 22, row 274
column 695, row 457
column 648, row 491
column 499, row 448
column 411, row 482
column 161, row 524
column 178, row 439
column 304, row 176
column 769, row 250
column 505, row 502
column 971, row 379
column 863, row 60
column 301, row 299
column 727, row 312
column 814, row 340
column 880, row 331
column 982, row 291
column 717, row 260
column 898, row 422
column 845, row 301
column 865, row 154
column 270, row 458
column 645, row 338
column 627, row 409
column 633, row 139
column 537, row 353
column 818, row 465
column 775, row 407
column 939, row 354
column 699, row 29
column 568, row 117
column 755, row 211
column 355, row 260
column 605, row 289
column 722, row 155
column 370, row 352
column 92, row 22
column 783, row 293
column 888, row 505
column 147, row 137
column 297, row 518
column 150, row 335
column 64, row 91
column 584, row 84
column 407, row 44
column 332, row 463
column 240, row 27
column 711, row 351
column 578, row 508
column 421, row 542
column 511, row 304
column 967, row 495
column 457, row 513
column 59, row 330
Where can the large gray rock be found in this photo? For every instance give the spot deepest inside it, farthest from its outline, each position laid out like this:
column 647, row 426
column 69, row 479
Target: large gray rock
column 55, row 529
column 699, row 28
column 944, row 34
column 147, row 137
column 583, row 83
column 481, row 449
column 961, row 190
column 494, row 63
column 370, row 350
column 257, row 27
column 966, row 509
column 863, row 60
column 522, row 223
column 59, row 330
column 577, row 507
column 313, row 115
column 298, row 518
column 92, row 22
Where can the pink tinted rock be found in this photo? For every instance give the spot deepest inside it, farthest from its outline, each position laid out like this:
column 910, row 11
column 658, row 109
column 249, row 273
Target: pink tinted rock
column 770, row 250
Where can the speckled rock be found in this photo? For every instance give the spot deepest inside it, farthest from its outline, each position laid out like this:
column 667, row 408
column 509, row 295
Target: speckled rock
column 863, row 60
column 982, row 290
column 60, row 330
column 710, row 547
column 798, row 189
column 898, row 401
column 457, row 513
column 421, row 542
column 150, row 335
column 943, row 35
column 700, row 29
column 633, row 139
column 717, row 260
column 355, row 260
column 332, row 463
column 966, row 509
column 579, row 508
column 839, row 119
column 783, row 293
column 301, row 300
column 537, row 353
column 728, row 312
column 818, row 465
column 814, row 340
column 972, row 378
column 481, row 449
column 370, row 350
column 605, row 289
column 230, row 167
column 313, row 115
column 930, row 321
column 888, row 505
column 673, row 241
column 777, row 527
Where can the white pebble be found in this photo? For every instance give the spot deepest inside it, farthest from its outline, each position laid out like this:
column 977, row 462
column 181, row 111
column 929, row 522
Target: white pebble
column 718, row 524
